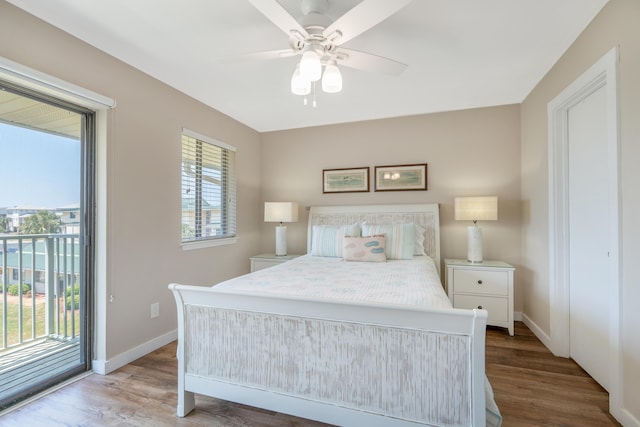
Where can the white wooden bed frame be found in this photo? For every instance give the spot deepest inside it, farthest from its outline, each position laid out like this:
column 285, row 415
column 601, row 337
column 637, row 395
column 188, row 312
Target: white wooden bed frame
column 343, row 363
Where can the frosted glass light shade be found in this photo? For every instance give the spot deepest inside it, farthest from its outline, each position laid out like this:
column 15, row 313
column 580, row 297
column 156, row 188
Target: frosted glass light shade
column 331, row 79
column 299, row 86
column 310, row 66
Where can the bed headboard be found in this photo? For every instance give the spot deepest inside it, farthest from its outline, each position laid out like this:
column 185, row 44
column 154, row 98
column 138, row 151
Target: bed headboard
column 425, row 215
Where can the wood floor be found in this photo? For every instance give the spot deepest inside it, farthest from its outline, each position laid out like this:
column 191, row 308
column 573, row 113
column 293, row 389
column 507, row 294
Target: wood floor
column 531, row 387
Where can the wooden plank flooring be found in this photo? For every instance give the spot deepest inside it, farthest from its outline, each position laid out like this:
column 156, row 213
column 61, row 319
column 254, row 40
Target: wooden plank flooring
column 531, row 386
column 534, row 388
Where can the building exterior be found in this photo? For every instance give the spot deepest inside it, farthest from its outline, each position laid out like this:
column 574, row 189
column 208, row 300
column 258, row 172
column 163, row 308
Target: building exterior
column 61, row 259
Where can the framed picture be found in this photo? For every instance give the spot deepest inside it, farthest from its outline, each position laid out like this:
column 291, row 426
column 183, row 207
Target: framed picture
column 352, row 180
column 401, row 177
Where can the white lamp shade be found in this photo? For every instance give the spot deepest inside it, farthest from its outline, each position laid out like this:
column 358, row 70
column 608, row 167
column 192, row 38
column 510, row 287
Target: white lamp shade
column 483, row 208
column 280, row 212
column 310, row 66
column 331, row 79
column 299, row 86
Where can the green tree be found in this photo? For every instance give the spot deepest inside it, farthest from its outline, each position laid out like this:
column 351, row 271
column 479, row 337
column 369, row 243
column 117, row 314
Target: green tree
column 43, row 222
column 3, row 223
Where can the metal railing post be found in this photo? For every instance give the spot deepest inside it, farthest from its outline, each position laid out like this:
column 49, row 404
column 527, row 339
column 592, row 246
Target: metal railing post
column 49, row 294
column 34, row 244
column 20, row 279
column 5, row 285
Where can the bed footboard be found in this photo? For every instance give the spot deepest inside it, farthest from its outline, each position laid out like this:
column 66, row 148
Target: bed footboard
column 345, row 364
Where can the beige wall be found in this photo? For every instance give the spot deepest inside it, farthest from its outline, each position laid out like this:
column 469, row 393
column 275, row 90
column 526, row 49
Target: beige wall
column 472, row 152
column 143, row 180
column 616, row 25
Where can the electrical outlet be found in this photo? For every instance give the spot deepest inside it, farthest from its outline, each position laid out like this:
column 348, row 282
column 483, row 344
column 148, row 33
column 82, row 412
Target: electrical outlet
column 155, row 310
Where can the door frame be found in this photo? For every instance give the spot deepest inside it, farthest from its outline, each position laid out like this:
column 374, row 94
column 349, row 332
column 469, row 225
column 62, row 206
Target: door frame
column 604, row 73
column 96, row 182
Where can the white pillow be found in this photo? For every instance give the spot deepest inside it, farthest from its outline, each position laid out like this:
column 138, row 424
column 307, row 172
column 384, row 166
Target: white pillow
column 366, row 249
column 400, row 238
column 326, row 240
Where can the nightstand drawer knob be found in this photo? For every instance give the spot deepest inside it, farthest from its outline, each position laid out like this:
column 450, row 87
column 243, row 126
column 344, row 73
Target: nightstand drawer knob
column 479, row 282
column 480, row 307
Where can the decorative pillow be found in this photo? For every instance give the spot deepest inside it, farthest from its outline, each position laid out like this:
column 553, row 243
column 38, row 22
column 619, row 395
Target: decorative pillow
column 368, row 249
column 326, row 240
column 400, row 238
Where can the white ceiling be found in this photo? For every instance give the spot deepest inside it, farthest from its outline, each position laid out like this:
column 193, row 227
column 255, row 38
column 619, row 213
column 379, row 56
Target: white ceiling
column 460, row 53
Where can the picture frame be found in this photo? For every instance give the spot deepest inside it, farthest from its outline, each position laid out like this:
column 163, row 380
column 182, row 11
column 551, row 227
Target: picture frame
column 345, row 180
column 401, row 177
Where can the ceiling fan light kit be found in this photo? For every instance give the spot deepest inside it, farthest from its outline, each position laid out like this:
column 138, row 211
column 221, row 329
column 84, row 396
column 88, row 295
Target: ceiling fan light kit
column 331, row 79
column 310, row 66
column 299, row 85
column 318, row 39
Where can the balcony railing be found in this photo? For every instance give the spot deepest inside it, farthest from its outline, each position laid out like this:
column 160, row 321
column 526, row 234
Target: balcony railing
column 40, row 278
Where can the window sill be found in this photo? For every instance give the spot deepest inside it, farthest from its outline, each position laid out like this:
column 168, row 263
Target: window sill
column 201, row 244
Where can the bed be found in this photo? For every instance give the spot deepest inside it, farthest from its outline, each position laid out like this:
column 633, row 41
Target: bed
column 320, row 338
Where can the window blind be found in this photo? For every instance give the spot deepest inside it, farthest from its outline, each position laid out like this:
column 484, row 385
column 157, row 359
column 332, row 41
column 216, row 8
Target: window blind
column 208, row 190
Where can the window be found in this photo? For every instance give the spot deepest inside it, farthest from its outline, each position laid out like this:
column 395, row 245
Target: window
column 208, row 190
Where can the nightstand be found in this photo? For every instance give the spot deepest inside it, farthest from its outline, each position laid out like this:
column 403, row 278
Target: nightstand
column 258, row 262
column 487, row 285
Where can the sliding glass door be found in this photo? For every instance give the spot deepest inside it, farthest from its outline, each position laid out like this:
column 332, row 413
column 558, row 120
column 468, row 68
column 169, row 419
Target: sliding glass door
column 46, row 251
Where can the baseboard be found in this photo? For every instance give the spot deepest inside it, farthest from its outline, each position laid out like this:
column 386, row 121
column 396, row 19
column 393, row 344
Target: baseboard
column 624, row 417
column 104, row 367
column 517, row 316
column 537, row 331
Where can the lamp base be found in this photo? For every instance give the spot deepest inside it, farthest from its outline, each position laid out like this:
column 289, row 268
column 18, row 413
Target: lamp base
column 474, row 244
column 281, row 240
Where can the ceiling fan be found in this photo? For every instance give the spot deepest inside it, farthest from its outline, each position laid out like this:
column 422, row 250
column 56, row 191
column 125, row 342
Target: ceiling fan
column 319, row 40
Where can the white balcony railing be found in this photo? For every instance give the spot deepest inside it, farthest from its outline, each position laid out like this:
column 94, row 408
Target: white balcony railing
column 40, row 279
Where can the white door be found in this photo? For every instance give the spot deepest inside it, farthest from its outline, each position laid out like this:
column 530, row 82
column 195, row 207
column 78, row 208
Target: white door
column 589, row 235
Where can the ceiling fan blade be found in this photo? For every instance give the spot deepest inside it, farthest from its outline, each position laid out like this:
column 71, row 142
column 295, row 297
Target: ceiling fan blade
column 279, row 16
column 369, row 62
column 362, row 17
column 257, row 56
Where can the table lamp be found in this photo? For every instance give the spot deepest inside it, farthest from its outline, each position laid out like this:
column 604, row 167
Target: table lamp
column 484, row 208
column 281, row 212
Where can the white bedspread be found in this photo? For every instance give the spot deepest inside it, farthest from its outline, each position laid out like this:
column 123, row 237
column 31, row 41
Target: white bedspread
column 410, row 282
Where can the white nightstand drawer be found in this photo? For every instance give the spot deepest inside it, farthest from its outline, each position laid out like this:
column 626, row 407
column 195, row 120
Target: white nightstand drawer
column 498, row 308
column 481, row 282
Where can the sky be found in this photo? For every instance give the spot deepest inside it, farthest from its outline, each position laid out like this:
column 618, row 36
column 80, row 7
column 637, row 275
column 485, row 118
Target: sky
column 38, row 168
